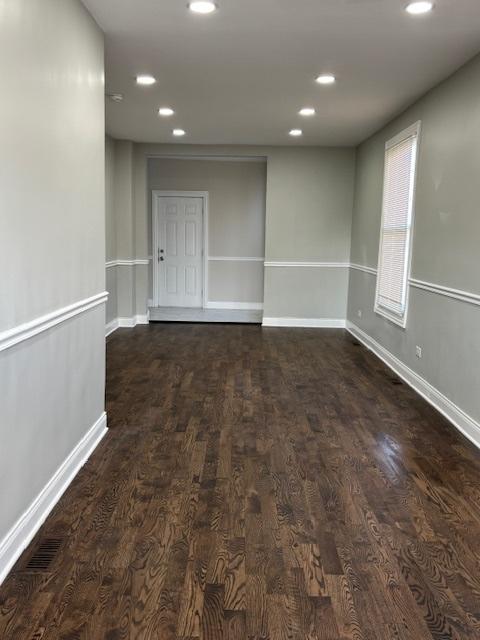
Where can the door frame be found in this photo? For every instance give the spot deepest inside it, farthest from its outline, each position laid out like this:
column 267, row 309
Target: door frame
column 155, row 238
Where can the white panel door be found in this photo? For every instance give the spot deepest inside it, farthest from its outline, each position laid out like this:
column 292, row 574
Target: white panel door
column 179, row 256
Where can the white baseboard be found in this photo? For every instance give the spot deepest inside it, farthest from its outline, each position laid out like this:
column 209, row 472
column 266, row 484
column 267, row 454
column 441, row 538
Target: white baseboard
column 111, row 326
column 23, row 531
column 461, row 420
column 255, row 306
column 126, row 322
column 321, row 323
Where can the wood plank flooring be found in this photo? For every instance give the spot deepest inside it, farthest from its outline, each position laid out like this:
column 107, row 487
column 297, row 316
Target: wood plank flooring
column 258, row 484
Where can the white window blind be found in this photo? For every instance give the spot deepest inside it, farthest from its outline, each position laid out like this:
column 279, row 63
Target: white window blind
column 397, row 221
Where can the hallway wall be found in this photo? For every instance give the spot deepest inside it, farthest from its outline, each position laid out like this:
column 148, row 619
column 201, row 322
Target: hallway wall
column 236, row 220
column 444, row 311
column 110, row 232
column 52, row 257
column 309, row 195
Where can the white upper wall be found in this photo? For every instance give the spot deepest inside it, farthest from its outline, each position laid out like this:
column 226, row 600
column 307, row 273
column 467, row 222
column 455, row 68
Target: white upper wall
column 447, row 221
column 52, row 185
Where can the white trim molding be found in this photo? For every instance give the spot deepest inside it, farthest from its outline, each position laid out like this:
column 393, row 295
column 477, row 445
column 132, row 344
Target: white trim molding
column 256, row 306
column 361, row 267
column 133, row 321
column 111, row 326
column 461, row 420
column 439, row 289
column 456, row 294
column 321, row 265
column 127, row 263
column 22, row 332
column 23, row 531
column 126, row 322
column 321, row 323
column 234, row 259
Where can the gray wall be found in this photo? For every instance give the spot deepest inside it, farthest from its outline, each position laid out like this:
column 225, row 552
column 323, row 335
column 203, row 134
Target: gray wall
column 309, row 211
column 121, row 279
column 445, row 244
column 236, row 219
column 110, row 230
column 309, row 198
column 52, row 239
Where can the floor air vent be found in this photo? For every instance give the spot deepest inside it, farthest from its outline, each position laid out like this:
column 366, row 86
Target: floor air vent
column 395, row 381
column 44, row 555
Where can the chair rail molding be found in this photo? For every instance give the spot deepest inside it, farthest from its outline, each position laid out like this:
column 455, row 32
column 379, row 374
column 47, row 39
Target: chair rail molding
column 126, row 262
column 27, row 330
column 439, row 289
column 305, row 263
column 234, row 259
column 361, row 267
column 456, row 294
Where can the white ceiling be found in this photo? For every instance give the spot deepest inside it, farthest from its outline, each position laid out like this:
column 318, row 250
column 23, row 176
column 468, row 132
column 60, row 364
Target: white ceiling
column 240, row 75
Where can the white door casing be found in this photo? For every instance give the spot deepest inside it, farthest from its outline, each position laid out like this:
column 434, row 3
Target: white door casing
column 178, row 256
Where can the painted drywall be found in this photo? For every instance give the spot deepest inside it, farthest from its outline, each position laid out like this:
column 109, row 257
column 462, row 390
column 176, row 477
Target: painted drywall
column 52, row 240
column 123, row 199
column 309, row 202
column 309, row 210
column 110, row 218
column 309, row 198
column 49, row 157
column 111, row 311
column 236, row 218
column 110, row 230
column 445, row 242
column 306, row 292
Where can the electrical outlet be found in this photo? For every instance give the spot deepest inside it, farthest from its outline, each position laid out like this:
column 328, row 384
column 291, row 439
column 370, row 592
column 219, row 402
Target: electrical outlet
column 418, row 351
column 359, row 313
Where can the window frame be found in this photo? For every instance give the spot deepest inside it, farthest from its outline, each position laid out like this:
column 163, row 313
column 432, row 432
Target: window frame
column 401, row 320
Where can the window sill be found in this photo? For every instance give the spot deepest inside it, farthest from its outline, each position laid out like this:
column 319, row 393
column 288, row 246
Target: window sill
column 400, row 321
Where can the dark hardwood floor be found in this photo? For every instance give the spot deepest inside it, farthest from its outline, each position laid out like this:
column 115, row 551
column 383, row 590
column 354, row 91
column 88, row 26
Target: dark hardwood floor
column 258, row 484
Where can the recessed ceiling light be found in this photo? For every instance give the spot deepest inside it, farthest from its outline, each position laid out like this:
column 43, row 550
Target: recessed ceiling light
column 178, row 133
column 417, row 8
column 296, row 132
column 326, row 78
column 202, row 6
column 307, row 111
column 145, row 80
column 165, row 111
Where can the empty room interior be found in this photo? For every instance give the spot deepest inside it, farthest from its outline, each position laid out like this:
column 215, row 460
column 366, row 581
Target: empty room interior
column 240, row 320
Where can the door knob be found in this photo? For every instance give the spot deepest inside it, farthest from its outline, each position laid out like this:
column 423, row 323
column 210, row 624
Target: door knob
column 161, row 258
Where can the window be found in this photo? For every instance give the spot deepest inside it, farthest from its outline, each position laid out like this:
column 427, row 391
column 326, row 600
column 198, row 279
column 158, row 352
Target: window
column 391, row 298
